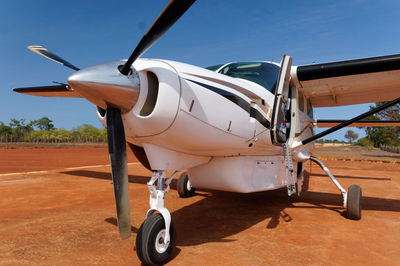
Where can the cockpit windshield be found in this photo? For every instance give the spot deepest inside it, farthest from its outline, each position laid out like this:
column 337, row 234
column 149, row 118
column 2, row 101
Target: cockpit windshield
column 262, row 73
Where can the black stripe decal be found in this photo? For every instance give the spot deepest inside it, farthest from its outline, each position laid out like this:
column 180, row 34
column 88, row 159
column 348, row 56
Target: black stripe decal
column 228, row 95
column 349, row 67
column 238, row 101
column 254, row 113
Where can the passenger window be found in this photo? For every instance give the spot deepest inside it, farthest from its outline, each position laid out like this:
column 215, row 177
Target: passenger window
column 300, row 100
column 310, row 112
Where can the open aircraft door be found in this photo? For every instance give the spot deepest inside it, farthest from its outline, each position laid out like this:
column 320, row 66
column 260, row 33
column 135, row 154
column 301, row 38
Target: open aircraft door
column 281, row 112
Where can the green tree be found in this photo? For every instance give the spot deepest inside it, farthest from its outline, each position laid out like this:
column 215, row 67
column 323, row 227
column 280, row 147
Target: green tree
column 351, row 136
column 5, row 131
column 88, row 132
column 384, row 135
column 43, row 123
column 365, row 142
column 20, row 129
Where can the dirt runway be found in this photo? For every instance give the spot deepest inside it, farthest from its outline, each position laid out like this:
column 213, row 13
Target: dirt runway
column 57, row 207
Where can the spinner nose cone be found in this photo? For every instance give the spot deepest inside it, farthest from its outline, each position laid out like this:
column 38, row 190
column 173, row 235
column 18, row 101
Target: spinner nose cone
column 106, row 87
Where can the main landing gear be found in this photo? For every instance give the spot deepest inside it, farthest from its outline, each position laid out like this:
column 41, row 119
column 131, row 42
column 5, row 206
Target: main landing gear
column 185, row 190
column 351, row 198
column 155, row 240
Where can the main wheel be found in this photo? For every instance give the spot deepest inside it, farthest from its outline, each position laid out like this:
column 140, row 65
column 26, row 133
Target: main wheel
column 185, row 190
column 150, row 246
column 354, row 197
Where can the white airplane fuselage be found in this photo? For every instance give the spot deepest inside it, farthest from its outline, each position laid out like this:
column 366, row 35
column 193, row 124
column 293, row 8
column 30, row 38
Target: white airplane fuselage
column 240, row 127
column 216, row 126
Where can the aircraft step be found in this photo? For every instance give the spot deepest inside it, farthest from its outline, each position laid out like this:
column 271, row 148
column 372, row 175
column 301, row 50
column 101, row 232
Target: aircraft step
column 290, row 176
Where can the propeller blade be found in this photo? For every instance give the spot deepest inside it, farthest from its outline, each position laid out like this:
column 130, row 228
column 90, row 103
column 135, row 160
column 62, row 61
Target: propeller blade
column 174, row 10
column 40, row 50
column 62, row 90
column 117, row 151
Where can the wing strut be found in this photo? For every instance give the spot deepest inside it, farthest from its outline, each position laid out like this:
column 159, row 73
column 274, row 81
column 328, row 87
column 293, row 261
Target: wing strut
column 351, row 121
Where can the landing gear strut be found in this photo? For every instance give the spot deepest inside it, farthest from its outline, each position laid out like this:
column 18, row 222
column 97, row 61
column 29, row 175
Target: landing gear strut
column 351, row 198
column 155, row 240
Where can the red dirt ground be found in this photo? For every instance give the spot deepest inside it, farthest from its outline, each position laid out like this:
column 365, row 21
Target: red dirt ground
column 67, row 216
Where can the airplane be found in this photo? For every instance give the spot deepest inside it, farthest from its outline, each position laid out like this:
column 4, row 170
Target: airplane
column 240, row 126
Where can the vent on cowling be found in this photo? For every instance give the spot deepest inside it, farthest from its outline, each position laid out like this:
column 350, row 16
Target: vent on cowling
column 152, row 93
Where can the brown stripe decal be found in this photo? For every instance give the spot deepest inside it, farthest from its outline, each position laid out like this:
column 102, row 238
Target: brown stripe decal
column 246, row 92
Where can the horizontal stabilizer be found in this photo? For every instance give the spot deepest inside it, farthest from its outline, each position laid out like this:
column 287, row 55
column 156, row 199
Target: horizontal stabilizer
column 365, row 123
column 49, row 91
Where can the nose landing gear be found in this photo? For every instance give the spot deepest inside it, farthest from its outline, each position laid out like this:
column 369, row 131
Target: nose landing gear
column 155, row 240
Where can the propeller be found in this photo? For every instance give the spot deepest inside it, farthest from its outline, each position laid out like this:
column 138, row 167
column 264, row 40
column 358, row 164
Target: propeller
column 174, row 10
column 115, row 127
column 40, row 50
column 117, row 152
column 102, row 89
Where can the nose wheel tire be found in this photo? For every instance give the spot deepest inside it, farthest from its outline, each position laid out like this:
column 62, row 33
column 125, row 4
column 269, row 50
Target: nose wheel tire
column 185, row 190
column 150, row 246
column 354, row 196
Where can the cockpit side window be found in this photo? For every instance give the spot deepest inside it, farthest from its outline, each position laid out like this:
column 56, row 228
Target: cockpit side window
column 262, row 73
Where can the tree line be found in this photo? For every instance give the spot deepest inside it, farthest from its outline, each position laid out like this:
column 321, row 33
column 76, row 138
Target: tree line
column 43, row 130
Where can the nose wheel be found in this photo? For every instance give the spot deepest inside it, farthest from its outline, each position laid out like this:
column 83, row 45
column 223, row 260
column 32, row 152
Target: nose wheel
column 150, row 245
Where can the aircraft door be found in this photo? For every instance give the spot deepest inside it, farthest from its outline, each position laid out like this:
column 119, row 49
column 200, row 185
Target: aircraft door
column 281, row 111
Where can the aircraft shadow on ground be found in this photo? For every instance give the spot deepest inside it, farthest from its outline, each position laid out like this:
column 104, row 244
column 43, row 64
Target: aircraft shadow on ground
column 382, row 156
column 354, row 177
column 113, row 221
column 137, row 179
column 222, row 214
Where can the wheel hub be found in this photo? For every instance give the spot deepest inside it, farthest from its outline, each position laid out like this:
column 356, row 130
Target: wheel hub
column 161, row 247
column 188, row 186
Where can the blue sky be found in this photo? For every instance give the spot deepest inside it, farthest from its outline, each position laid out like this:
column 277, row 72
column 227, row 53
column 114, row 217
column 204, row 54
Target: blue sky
column 91, row 32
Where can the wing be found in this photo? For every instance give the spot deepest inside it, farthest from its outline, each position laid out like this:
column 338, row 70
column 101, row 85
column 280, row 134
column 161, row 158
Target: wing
column 62, row 90
column 375, row 79
column 362, row 123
